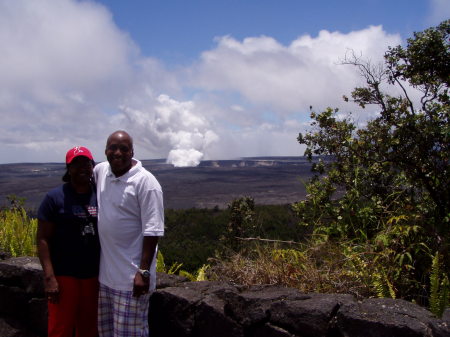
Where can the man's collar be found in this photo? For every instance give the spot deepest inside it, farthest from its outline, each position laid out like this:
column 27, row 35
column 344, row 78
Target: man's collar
column 137, row 165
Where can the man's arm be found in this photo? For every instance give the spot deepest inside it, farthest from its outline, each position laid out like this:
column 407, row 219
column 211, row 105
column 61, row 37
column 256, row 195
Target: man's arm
column 142, row 284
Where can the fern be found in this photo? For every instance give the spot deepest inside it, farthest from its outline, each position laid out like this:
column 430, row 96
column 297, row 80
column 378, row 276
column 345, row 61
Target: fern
column 434, row 285
column 160, row 265
column 188, row 275
column 390, row 288
column 444, row 299
column 383, row 286
column 175, row 268
column 199, row 275
column 440, row 289
column 377, row 283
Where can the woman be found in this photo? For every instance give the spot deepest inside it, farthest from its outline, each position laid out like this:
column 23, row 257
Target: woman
column 68, row 249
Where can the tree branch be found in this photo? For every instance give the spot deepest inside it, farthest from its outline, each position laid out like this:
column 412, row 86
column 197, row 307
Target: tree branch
column 268, row 240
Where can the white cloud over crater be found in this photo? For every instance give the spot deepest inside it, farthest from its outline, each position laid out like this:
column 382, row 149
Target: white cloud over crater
column 70, row 77
column 175, row 127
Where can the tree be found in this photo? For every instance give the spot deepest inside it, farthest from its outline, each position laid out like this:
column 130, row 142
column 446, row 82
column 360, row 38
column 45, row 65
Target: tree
column 388, row 182
column 242, row 217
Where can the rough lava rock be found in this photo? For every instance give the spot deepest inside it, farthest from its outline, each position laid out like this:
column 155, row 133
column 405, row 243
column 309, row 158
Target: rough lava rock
column 214, row 309
column 388, row 317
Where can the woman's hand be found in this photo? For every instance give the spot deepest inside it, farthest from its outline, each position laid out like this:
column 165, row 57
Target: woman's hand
column 51, row 288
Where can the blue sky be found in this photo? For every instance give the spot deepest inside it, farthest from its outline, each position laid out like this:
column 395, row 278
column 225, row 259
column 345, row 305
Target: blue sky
column 178, row 31
column 190, row 80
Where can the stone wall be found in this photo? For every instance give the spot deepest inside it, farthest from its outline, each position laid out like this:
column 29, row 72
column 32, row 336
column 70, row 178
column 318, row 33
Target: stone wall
column 209, row 309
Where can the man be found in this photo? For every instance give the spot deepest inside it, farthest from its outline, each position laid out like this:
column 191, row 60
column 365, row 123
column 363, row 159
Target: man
column 130, row 220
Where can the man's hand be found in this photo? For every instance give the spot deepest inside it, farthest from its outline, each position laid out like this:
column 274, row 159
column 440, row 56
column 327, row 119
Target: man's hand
column 141, row 285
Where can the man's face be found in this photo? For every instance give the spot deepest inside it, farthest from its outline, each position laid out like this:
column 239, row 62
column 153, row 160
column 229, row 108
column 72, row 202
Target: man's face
column 119, row 153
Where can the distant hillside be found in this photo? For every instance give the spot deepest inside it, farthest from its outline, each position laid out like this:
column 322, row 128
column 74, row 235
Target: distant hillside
column 269, row 180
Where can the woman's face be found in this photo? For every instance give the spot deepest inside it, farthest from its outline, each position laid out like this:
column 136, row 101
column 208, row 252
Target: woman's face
column 80, row 170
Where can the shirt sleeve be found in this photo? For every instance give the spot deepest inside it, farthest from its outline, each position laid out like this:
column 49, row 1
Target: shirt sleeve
column 96, row 172
column 152, row 210
column 46, row 209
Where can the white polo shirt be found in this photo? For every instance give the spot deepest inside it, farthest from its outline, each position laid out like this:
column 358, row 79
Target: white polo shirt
column 129, row 208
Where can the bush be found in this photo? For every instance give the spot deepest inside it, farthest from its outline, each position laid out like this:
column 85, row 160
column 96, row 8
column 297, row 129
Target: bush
column 17, row 232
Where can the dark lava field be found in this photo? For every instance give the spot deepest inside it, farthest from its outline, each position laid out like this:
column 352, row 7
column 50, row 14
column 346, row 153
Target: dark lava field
column 269, row 180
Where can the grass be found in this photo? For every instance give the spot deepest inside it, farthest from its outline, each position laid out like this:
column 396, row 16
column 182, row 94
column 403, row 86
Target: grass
column 321, row 268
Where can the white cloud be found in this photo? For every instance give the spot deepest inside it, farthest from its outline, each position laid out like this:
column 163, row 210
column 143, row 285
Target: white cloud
column 51, row 47
column 177, row 128
column 289, row 78
column 284, row 80
column 63, row 63
column 184, row 157
column 71, row 77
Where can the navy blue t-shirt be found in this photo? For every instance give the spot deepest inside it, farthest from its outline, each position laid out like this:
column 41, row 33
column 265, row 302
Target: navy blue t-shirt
column 74, row 245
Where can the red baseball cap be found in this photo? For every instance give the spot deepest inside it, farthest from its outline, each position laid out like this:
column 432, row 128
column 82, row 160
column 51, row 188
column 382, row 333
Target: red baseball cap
column 78, row 151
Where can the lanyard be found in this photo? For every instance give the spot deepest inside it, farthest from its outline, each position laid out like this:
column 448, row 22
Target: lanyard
column 88, row 227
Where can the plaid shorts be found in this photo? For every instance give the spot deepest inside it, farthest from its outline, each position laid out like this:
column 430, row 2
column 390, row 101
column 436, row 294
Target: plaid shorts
column 122, row 315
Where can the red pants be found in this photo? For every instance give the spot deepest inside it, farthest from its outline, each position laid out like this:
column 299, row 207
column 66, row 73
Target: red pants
column 76, row 310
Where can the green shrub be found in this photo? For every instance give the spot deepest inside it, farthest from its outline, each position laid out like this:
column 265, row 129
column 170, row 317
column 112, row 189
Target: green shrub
column 17, row 232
